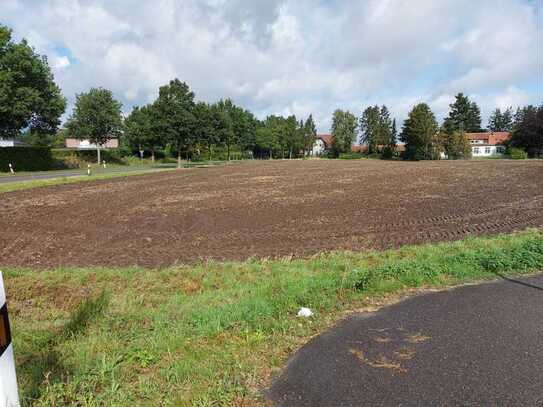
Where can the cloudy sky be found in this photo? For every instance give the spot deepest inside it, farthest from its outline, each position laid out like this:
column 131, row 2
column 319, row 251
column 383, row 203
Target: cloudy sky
column 293, row 56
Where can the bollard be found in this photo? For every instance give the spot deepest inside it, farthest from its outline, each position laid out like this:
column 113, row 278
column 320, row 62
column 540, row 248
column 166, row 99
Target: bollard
column 105, row 166
column 11, row 169
column 88, row 170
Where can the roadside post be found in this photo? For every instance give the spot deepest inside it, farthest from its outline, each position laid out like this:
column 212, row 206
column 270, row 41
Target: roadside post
column 11, row 168
column 88, row 170
column 105, row 165
column 9, row 396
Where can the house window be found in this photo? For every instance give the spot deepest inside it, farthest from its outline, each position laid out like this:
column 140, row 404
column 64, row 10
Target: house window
column 500, row 149
column 487, row 150
column 476, row 150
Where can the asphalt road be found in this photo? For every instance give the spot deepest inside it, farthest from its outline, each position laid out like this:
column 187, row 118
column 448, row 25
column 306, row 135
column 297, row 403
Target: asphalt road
column 70, row 173
column 471, row 346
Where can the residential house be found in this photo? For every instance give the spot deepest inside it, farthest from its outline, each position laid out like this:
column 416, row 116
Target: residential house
column 323, row 143
column 488, row 144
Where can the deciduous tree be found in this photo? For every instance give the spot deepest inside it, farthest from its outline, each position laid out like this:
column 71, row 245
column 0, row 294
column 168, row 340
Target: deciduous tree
column 344, row 126
column 29, row 96
column 174, row 110
column 528, row 131
column 96, row 117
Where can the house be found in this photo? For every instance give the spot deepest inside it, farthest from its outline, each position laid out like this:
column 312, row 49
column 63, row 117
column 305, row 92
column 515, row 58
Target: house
column 85, row 144
column 323, row 143
column 5, row 142
column 488, row 144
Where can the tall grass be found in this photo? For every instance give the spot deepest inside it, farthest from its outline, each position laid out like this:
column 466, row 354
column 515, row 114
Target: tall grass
column 212, row 334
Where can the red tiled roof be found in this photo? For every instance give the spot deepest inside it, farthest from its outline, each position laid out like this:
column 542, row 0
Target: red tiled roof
column 490, row 138
column 327, row 139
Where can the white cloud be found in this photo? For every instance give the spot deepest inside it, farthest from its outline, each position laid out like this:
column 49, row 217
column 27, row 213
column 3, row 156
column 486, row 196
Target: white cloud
column 60, row 63
column 293, row 56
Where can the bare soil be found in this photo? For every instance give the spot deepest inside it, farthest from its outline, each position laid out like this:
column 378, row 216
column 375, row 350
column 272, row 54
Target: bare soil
column 266, row 209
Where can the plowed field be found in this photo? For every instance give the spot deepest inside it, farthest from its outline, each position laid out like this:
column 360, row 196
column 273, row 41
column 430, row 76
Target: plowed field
column 266, row 209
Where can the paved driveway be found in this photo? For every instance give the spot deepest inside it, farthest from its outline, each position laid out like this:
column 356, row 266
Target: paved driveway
column 471, row 346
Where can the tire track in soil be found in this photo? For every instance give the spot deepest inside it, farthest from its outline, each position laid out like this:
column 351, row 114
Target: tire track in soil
column 266, row 209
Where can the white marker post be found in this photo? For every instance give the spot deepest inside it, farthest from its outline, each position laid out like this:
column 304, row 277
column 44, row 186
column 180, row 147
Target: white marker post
column 11, row 168
column 9, row 396
column 88, row 170
column 105, row 165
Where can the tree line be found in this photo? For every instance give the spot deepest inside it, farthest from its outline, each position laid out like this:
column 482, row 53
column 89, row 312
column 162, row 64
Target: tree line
column 32, row 104
column 425, row 139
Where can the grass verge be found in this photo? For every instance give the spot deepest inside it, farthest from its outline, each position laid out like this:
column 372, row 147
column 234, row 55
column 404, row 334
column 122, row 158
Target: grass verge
column 212, row 334
column 17, row 186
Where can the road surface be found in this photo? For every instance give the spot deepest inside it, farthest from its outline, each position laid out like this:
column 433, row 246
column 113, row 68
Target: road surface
column 470, row 346
column 43, row 175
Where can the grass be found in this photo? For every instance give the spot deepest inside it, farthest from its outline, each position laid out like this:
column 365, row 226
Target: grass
column 99, row 175
column 17, row 186
column 214, row 333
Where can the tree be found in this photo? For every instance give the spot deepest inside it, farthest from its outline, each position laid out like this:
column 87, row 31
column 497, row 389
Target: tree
column 376, row 128
column 456, row 145
column 291, row 136
column 464, row 116
column 528, row 131
column 174, row 116
column 419, row 133
column 501, row 121
column 96, row 117
column 29, row 97
column 266, row 141
column 344, row 126
column 370, row 123
column 140, row 132
column 309, row 134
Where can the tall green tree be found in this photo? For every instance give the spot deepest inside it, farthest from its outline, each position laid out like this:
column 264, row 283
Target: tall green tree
column 140, row 131
column 266, row 141
column 419, row 134
column 501, row 121
column 464, row 115
column 369, row 128
column 344, row 127
column 174, row 116
column 309, row 133
column 96, row 117
column 29, row 96
column 292, row 141
column 528, row 131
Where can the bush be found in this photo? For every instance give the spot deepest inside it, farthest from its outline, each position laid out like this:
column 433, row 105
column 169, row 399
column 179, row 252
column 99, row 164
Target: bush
column 388, row 153
column 350, row 156
column 69, row 158
column 26, row 159
column 518, row 154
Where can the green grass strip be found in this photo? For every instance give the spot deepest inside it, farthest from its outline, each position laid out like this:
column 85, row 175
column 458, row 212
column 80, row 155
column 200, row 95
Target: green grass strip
column 211, row 334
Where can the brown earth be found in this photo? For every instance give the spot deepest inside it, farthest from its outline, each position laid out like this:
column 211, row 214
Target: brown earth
column 266, row 209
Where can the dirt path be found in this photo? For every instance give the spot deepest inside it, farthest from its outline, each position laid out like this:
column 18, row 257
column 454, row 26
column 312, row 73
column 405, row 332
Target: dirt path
column 266, row 209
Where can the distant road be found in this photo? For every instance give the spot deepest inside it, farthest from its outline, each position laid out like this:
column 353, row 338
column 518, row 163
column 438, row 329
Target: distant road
column 72, row 173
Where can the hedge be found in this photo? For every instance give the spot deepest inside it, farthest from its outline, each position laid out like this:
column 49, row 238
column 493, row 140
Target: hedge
column 26, row 158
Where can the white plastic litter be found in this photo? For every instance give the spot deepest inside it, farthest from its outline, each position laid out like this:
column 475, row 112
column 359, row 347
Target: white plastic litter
column 305, row 312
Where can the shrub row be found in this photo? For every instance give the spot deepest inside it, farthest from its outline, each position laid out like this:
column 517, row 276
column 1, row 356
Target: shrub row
column 26, row 159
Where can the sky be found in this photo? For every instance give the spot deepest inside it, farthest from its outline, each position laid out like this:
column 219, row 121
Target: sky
column 293, row 56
